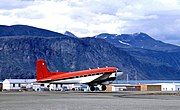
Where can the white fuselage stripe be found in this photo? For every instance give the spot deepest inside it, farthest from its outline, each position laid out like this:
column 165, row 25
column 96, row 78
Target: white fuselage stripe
column 82, row 80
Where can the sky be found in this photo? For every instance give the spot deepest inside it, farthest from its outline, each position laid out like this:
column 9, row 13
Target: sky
column 158, row 18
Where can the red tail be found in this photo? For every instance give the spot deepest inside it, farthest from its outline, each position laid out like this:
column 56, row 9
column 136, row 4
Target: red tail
column 41, row 70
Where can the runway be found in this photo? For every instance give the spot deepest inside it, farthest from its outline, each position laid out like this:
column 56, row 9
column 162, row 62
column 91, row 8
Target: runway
column 88, row 101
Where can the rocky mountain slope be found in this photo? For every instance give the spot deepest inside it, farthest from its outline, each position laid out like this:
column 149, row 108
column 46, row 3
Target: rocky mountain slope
column 18, row 53
column 146, row 49
column 137, row 40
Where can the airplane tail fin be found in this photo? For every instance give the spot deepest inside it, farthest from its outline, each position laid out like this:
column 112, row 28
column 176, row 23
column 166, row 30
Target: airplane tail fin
column 41, row 70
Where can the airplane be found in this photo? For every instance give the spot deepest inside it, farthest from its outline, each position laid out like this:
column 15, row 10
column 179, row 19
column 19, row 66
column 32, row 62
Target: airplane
column 91, row 77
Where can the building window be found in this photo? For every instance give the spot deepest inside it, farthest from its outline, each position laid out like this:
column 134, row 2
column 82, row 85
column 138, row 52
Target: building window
column 178, row 89
column 13, row 85
column 19, row 85
column 56, row 85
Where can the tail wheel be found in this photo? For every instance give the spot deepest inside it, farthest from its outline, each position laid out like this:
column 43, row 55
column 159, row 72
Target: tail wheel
column 103, row 87
column 92, row 88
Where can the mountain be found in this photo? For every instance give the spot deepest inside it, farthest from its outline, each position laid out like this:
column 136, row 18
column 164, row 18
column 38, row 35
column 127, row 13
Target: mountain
column 69, row 34
column 18, row 54
column 137, row 40
column 19, row 30
column 146, row 49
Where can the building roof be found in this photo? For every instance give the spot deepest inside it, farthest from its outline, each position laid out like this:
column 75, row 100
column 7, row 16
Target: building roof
column 20, row 80
column 164, row 84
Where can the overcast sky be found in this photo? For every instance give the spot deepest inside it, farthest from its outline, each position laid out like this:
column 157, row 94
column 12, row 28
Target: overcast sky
column 158, row 18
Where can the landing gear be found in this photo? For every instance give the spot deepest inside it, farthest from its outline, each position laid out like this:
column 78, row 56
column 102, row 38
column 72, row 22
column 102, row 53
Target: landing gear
column 103, row 87
column 100, row 88
column 92, row 88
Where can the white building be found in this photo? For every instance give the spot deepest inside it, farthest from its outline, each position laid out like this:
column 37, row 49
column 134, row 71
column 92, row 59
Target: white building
column 167, row 87
column 31, row 84
column 177, row 87
column 17, row 84
column 170, row 86
column 119, row 87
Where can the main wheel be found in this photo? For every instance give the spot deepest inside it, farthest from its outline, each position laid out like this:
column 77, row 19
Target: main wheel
column 103, row 87
column 92, row 88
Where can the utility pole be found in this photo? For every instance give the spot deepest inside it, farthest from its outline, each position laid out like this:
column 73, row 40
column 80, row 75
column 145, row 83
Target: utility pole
column 127, row 78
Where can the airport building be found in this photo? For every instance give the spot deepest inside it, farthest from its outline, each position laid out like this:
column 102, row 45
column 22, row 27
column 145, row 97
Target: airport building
column 170, row 86
column 146, row 87
column 31, row 84
column 119, row 87
column 159, row 87
column 17, row 84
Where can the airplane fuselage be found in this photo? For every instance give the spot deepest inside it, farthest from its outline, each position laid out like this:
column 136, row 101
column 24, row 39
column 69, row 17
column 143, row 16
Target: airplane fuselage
column 91, row 77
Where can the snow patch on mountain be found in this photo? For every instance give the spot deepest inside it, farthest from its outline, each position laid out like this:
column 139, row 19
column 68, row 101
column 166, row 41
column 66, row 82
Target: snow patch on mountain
column 124, row 43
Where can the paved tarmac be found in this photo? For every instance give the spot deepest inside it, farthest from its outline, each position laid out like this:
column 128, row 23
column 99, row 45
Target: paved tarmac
column 88, row 101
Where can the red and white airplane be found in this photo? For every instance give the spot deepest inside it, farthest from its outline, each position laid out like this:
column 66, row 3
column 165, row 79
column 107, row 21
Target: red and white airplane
column 92, row 77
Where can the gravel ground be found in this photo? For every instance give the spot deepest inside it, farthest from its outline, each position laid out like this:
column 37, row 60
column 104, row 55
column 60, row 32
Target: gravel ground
column 88, row 101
